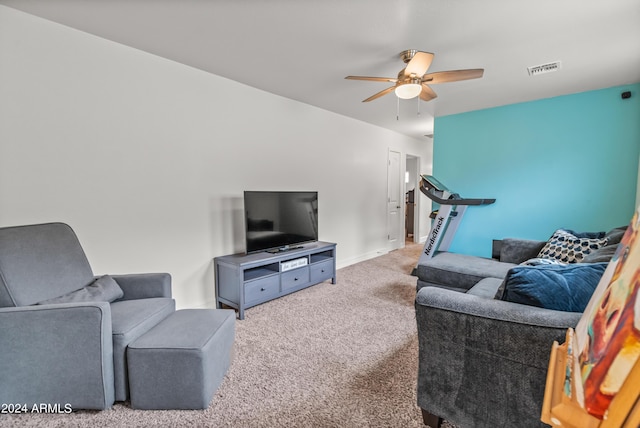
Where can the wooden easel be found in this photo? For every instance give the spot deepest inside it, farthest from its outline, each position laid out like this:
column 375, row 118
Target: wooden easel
column 560, row 410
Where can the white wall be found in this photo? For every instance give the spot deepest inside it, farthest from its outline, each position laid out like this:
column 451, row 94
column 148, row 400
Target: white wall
column 147, row 159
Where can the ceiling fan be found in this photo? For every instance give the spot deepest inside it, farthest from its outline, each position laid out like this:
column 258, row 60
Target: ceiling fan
column 412, row 80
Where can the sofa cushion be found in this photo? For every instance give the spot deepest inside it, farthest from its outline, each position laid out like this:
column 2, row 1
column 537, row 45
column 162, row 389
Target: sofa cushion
column 130, row 319
column 514, row 250
column 571, row 247
column 421, row 284
column 103, row 289
column 562, row 288
column 460, row 271
column 486, row 288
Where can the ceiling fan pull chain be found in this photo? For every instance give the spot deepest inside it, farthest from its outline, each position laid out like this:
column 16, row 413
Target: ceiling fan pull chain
column 418, row 106
column 397, row 108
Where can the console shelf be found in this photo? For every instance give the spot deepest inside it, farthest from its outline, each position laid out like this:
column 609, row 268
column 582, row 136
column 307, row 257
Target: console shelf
column 246, row 280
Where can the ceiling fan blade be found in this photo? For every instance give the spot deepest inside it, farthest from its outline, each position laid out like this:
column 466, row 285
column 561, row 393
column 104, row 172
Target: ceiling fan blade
column 453, row 75
column 427, row 94
column 379, row 94
column 373, row 79
column 419, row 64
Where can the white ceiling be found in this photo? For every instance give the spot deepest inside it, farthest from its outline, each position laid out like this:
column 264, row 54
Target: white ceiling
column 303, row 49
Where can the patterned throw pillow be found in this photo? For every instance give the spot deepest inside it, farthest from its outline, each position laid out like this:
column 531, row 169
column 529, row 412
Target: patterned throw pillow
column 540, row 261
column 566, row 247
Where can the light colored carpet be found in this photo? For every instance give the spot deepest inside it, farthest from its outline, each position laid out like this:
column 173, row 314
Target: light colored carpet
column 342, row 355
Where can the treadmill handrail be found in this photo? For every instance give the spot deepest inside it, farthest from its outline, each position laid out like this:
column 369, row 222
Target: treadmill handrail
column 462, row 201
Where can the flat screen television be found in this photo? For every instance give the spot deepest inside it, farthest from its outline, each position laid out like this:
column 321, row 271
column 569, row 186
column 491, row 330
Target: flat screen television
column 279, row 221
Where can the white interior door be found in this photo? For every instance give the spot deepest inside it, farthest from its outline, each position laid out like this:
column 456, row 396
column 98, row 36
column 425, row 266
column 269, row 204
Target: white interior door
column 394, row 201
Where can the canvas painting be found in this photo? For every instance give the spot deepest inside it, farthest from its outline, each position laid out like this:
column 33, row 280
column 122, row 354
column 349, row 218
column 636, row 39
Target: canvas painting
column 607, row 338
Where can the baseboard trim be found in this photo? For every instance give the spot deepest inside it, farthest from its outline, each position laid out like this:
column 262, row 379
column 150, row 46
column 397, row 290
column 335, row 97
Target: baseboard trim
column 361, row 258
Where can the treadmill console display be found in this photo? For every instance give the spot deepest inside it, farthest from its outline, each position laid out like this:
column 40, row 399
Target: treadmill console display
column 434, row 184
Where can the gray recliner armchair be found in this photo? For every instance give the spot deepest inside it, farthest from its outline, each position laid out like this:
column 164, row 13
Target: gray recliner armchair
column 63, row 331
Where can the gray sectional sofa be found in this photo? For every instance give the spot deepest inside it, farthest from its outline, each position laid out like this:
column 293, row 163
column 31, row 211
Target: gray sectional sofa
column 482, row 360
column 476, row 275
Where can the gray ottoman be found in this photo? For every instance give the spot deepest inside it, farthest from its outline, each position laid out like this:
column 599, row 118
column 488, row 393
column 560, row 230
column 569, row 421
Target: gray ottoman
column 180, row 362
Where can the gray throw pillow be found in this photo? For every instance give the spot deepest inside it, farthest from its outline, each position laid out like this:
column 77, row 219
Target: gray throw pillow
column 614, row 236
column 605, row 253
column 103, row 289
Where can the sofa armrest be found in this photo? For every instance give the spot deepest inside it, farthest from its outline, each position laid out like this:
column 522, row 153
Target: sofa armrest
column 483, row 362
column 514, row 250
column 144, row 285
column 57, row 354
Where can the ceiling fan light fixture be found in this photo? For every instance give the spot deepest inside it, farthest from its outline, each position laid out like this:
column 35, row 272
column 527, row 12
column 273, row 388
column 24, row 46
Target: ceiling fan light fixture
column 408, row 90
column 412, row 80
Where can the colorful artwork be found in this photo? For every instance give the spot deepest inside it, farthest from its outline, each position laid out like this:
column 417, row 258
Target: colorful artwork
column 608, row 334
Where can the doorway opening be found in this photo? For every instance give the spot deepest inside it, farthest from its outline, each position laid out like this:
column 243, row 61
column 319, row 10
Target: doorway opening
column 411, row 199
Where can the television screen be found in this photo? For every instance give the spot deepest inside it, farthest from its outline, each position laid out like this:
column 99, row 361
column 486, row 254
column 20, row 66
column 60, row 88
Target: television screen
column 276, row 221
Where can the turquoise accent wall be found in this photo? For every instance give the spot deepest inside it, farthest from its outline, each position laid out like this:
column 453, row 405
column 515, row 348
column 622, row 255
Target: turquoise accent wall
column 564, row 162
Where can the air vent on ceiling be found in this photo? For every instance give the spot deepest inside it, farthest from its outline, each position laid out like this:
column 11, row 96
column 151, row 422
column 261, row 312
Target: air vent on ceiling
column 544, row 68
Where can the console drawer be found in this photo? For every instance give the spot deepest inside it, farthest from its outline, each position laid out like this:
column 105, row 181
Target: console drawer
column 295, row 278
column 321, row 271
column 262, row 289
